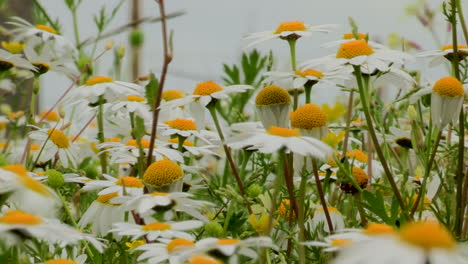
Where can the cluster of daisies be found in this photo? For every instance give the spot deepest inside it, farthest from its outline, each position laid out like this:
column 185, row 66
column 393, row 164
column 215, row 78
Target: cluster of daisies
column 110, row 175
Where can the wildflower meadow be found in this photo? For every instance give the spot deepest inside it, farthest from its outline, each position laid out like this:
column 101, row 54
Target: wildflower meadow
column 246, row 168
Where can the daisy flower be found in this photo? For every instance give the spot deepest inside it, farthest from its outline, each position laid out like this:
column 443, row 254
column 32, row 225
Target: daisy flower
column 9, row 60
column 103, row 86
column 183, row 128
column 131, row 104
column 164, row 176
column 166, row 250
column 25, row 31
column 189, row 146
column 444, row 54
column 54, row 141
column 232, row 248
column 311, row 76
column 446, row 101
column 156, row 230
column 370, row 232
column 46, row 229
column 27, row 193
column 177, row 201
column 320, row 219
column 67, row 177
column 124, row 184
column 272, row 104
column 203, row 94
column 416, row 242
column 330, row 245
column 291, row 30
column 129, row 151
column 310, row 120
column 102, row 214
column 277, row 138
column 361, row 178
column 350, row 36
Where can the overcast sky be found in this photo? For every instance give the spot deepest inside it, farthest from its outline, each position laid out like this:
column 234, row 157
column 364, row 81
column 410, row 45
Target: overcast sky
column 211, row 31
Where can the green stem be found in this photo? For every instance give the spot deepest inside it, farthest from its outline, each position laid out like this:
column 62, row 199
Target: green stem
column 308, row 91
column 302, row 211
column 462, row 20
column 349, row 115
column 75, row 25
column 292, row 51
column 358, row 197
column 46, row 15
column 388, row 173
column 73, row 221
column 212, row 110
column 276, row 188
column 100, row 135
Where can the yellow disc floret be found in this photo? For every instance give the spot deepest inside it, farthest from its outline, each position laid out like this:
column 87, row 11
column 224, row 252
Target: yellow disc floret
column 144, row 143
column 129, row 181
column 283, row 132
column 449, row 86
column 358, row 155
column 447, row 47
column 360, row 176
column 105, row 198
column 162, row 173
column 272, row 95
column 51, row 116
column 46, row 28
column 135, row 98
column 187, row 142
column 58, row 138
column 26, row 180
column 178, row 244
column 16, row 217
column 156, row 226
column 207, row 88
column 352, row 36
column 13, row 47
column 203, row 260
column 98, row 79
column 227, row 241
column 283, row 209
column 182, row 124
column 309, row 72
column 353, row 49
column 60, row 261
column 170, row 95
column 291, row 26
column 378, row 229
column 340, row 242
column 308, row 116
column 427, row 235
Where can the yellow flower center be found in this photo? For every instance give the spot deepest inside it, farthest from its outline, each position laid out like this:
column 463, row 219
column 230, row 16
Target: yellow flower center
column 283, row 132
column 353, row 49
column 446, row 47
column 162, row 173
column 271, row 95
column 427, row 235
column 170, row 95
column 129, row 181
column 16, row 217
column 283, row 209
column 203, row 260
column 260, row 223
column 135, row 244
column 34, row 147
column 358, row 155
column 13, row 47
column 156, row 226
column 207, row 88
column 58, row 138
column 377, row 229
column 159, row 194
column 340, row 242
column 449, row 86
column 309, row 72
column 112, row 139
column 46, row 28
column 426, row 204
column 135, row 98
column 60, row 261
column 144, row 143
column 331, row 209
column 105, row 198
column 52, row 116
column 291, row 26
column 227, row 241
column 308, row 116
column 186, row 142
column 178, row 244
column 351, row 36
column 182, row 124
column 98, row 79
column 27, row 181
column 360, row 176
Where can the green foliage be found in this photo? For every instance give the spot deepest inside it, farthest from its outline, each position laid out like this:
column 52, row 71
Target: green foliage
column 152, row 90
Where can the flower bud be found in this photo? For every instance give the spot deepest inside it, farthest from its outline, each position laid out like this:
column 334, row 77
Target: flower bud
column 109, row 44
column 214, row 229
column 55, row 178
column 136, row 38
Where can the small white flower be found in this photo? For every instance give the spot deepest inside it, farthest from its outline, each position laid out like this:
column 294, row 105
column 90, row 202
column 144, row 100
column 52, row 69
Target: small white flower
column 9, row 60
column 124, row 184
column 445, row 54
column 54, row 141
column 131, row 104
column 319, row 218
column 165, row 250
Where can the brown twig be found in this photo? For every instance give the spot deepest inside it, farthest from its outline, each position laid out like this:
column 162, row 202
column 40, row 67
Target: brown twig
column 322, row 196
column 166, row 62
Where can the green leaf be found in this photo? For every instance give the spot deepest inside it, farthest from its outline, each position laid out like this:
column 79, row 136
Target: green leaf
column 151, row 90
column 375, row 204
column 139, row 127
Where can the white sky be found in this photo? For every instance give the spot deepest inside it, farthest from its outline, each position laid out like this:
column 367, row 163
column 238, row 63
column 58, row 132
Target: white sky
column 211, row 31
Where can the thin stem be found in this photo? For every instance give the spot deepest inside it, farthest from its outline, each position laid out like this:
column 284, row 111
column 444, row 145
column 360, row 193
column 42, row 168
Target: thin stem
column 349, row 114
column 212, row 110
column 292, row 51
column 100, row 134
column 462, row 20
column 388, row 173
column 322, row 196
column 358, row 197
column 167, row 60
column 276, row 189
column 302, row 209
column 420, row 199
column 75, row 25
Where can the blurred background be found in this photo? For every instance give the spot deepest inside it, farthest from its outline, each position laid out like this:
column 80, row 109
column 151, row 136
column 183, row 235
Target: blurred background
column 210, row 33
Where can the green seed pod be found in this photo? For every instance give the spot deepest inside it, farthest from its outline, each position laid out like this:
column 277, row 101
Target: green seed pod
column 214, row 229
column 55, row 178
column 136, row 38
column 254, row 190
